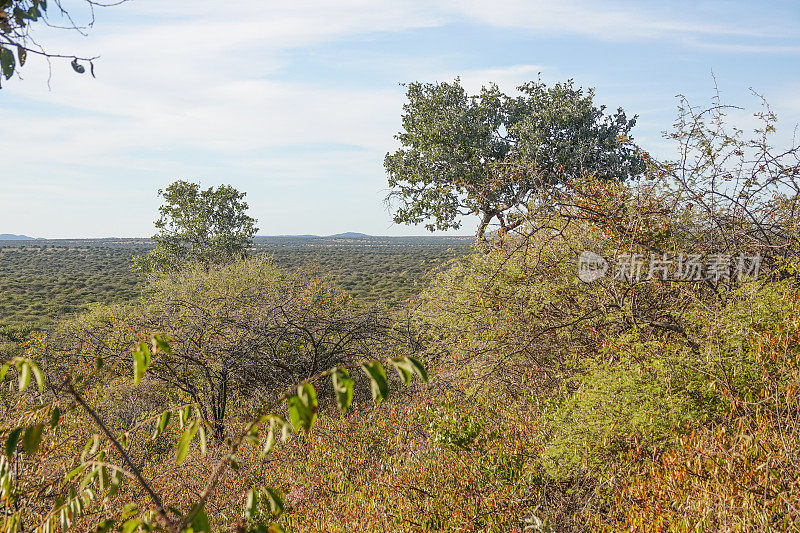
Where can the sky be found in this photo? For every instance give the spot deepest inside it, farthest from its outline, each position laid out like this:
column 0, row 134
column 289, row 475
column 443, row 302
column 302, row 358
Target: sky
column 297, row 103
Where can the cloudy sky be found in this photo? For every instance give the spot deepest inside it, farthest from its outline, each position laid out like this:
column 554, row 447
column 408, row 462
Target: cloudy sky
column 296, row 103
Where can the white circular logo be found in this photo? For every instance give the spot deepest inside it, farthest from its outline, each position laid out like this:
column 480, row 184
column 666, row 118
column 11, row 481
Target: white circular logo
column 591, row 266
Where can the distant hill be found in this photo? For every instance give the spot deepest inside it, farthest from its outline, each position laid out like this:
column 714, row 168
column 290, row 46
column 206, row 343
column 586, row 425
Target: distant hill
column 346, row 235
column 10, row 237
column 286, row 236
column 351, row 235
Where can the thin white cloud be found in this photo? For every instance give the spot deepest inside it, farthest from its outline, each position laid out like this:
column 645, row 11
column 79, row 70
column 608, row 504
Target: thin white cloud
column 602, row 20
column 178, row 78
column 742, row 48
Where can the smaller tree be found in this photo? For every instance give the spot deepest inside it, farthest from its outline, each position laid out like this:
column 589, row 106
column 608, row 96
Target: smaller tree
column 242, row 332
column 203, row 226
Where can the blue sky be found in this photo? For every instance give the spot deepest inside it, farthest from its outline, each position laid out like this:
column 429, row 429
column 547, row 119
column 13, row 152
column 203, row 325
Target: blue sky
column 297, row 103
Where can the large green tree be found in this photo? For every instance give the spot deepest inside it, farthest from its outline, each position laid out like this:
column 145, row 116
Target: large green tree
column 486, row 154
column 199, row 225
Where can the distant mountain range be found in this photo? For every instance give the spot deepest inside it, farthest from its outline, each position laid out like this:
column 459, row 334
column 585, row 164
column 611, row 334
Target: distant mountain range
column 350, row 235
column 11, row 237
column 345, row 235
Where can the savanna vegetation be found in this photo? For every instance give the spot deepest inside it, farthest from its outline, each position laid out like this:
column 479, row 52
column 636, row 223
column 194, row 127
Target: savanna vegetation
column 509, row 394
column 42, row 281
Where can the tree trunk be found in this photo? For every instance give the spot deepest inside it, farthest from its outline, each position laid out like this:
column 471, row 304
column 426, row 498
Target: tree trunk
column 218, row 409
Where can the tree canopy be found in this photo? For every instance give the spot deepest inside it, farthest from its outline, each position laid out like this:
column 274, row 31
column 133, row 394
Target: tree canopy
column 199, row 225
column 486, row 154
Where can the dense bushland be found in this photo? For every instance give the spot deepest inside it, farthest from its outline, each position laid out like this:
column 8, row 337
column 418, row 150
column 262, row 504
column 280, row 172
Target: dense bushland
column 653, row 401
column 44, row 281
column 243, row 333
column 40, row 283
column 664, row 399
column 626, row 424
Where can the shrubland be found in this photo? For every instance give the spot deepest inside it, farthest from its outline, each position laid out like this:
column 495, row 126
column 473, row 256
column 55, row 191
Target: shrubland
column 44, row 281
column 660, row 400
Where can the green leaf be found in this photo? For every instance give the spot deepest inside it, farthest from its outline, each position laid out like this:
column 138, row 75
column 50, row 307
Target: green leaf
column 186, row 438
column 162, row 423
column 252, row 435
column 201, row 430
column 104, row 525
column 55, row 417
column 343, row 387
column 138, row 367
column 276, row 424
column 75, row 472
column 130, row 526
column 7, row 62
column 4, row 371
column 269, row 443
column 33, row 12
column 32, row 439
column 407, row 366
column 22, row 54
column 303, row 408
column 183, row 416
column 129, row 509
column 286, row 431
column 161, row 343
column 200, row 522
column 308, row 394
column 90, row 475
column 299, row 415
column 94, row 444
column 37, row 374
column 24, row 376
column 250, row 504
column 403, row 367
column 275, row 501
column 114, row 483
column 11, row 442
column 419, row 368
column 141, row 361
column 378, row 384
column 103, row 477
column 77, row 67
column 147, row 354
